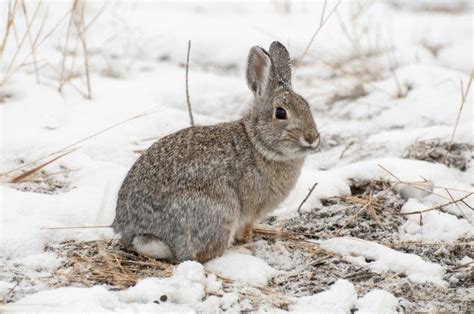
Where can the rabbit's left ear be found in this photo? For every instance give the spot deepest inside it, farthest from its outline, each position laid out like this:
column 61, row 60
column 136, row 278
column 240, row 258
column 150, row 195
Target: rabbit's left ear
column 258, row 72
column 281, row 63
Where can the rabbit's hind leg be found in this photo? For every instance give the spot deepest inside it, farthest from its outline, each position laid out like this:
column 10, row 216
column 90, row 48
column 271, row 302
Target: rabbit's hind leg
column 151, row 246
column 214, row 251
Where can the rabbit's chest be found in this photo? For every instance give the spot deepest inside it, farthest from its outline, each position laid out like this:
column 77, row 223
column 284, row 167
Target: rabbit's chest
column 264, row 188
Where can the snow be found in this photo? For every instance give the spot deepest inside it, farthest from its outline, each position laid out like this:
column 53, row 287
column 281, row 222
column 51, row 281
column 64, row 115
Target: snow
column 136, row 60
column 338, row 299
column 435, row 225
column 342, row 298
column 377, row 301
column 384, row 259
column 185, row 288
column 5, row 286
column 242, row 267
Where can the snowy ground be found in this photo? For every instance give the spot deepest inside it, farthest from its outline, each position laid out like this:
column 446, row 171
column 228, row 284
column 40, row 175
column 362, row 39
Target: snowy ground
column 383, row 79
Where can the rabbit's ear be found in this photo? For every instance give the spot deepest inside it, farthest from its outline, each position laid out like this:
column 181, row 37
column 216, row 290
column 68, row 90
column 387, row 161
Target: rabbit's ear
column 281, row 62
column 258, row 71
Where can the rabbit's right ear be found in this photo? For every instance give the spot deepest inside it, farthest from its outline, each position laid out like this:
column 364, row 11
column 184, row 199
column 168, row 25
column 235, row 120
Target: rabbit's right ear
column 258, row 71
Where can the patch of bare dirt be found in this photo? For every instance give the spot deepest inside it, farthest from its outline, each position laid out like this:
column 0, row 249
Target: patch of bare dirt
column 458, row 155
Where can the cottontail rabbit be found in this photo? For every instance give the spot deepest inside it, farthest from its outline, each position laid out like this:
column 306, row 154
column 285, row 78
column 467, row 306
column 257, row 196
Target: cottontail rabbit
column 194, row 192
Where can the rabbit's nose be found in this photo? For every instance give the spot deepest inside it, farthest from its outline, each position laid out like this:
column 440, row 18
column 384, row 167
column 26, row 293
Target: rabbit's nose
column 310, row 137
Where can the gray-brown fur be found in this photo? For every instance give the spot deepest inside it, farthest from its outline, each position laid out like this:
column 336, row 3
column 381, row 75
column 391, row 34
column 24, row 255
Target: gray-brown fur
column 195, row 187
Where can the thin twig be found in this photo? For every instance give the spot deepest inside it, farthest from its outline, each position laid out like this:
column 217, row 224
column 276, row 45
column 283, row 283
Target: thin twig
column 75, row 227
column 10, row 291
column 10, row 18
column 346, row 149
column 463, row 100
column 438, row 207
column 322, row 22
column 30, row 39
column 82, row 36
column 188, row 101
column 307, row 196
column 457, row 205
column 18, row 49
column 66, row 44
column 25, row 175
column 415, row 185
column 80, row 141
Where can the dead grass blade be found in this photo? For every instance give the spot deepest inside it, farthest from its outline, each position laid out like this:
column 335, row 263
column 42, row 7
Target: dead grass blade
column 30, row 39
column 323, row 20
column 307, row 196
column 9, row 24
column 415, row 185
column 457, row 205
column 75, row 227
column 19, row 47
column 25, row 175
column 464, row 95
column 82, row 36
column 80, row 141
column 188, row 101
column 438, row 207
column 66, row 42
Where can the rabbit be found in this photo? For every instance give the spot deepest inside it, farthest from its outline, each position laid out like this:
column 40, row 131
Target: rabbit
column 194, row 192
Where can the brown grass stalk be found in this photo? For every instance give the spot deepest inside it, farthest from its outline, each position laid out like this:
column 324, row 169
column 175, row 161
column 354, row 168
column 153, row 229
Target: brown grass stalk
column 188, row 101
column 67, row 147
column 415, row 185
column 457, row 205
column 464, row 95
column 323, row 20
column 9, row 24
column 28, row 173
column 307, row 196
column 76, row 227
column 82, row 36
column 30, row 39
column 66, row 44
column 438, row 207
column 19, row 46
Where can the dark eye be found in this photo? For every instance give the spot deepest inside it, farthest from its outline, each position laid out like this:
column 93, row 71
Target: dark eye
column 280, row 113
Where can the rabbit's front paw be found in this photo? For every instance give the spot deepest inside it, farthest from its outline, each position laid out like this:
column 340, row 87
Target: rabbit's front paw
column 244, row 235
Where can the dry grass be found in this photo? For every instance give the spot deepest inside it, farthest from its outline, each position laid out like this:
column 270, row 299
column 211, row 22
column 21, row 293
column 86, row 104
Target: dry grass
column 76, row 20
column 109, row 263
column 464, row 94
column 18, row 174
column 432, row 48
column 12, row 14
column 29, row 38
column 188, row 100
column 105, row 262
column 323, row 20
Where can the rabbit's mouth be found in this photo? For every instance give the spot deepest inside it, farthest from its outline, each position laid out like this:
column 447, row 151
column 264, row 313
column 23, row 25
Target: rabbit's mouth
column 309, row 148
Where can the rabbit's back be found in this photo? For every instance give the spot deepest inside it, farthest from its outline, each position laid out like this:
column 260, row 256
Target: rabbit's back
column 189, row 158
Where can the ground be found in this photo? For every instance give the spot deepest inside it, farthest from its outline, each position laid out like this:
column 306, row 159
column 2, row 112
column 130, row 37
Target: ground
column 379, row 221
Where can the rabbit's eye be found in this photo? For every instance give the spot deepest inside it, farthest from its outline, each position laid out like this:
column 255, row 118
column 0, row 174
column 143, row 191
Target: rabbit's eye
column 280, row 113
